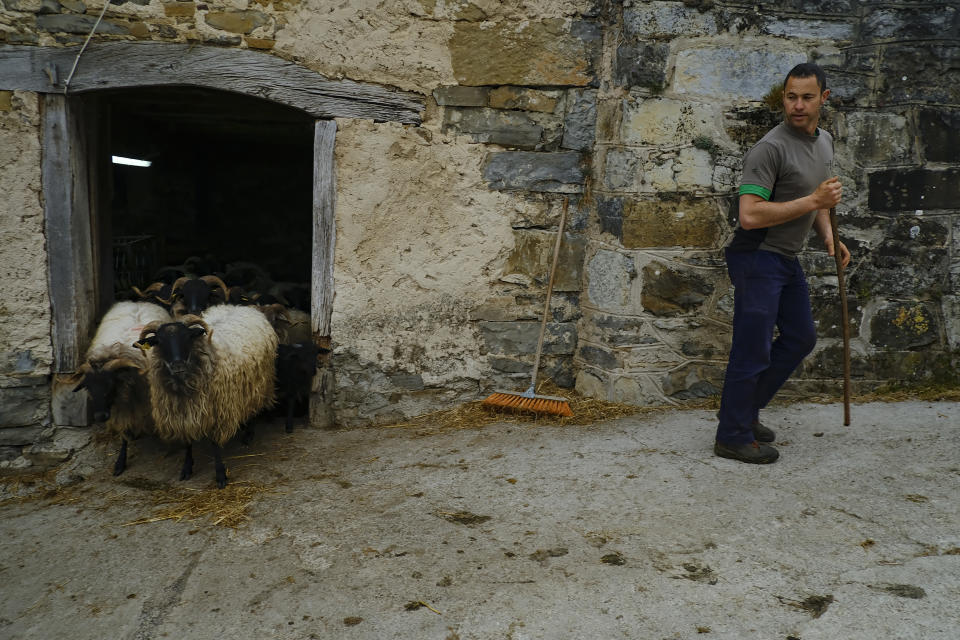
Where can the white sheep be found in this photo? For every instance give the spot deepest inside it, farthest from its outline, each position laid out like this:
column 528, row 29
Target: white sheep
column 209, row 375
column 112, row 373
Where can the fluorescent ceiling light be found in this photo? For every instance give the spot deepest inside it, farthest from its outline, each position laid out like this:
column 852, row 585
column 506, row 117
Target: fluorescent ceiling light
column 131, row 161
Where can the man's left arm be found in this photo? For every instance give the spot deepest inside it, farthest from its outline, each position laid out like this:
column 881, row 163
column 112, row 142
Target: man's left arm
column 822, row 226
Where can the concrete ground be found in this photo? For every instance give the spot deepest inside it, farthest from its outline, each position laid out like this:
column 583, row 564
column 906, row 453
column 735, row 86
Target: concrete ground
column 624, row 529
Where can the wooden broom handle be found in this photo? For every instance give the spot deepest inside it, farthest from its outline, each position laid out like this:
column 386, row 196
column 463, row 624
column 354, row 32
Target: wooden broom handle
column 844, row 316
column 546, row 304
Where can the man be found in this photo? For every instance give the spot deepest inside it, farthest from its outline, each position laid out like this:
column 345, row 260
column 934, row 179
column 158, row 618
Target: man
column 786, row 190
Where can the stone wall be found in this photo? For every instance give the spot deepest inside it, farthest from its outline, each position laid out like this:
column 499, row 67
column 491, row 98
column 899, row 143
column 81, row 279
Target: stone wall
column 636, row 113
column 26, row 354
column 686, row 91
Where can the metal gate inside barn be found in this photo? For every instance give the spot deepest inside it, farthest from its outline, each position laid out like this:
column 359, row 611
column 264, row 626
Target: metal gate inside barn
column 244, row 150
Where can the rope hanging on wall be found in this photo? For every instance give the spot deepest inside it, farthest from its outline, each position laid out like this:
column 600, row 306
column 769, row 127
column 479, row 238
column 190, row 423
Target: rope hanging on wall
column 66, row 86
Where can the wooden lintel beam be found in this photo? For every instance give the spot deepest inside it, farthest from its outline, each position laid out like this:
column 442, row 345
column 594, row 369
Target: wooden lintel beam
column 121, row 65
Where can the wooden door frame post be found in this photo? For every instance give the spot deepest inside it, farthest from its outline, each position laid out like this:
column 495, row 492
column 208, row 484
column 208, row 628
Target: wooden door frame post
column 321, row 280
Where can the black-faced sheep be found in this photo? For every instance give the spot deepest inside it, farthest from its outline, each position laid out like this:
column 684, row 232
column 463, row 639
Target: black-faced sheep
column 210, row 375
column 112, row 373
column 296, row 367
column 192, row 296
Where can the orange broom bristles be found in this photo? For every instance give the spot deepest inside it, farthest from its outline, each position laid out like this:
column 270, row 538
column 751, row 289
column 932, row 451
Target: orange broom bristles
column 535, row 404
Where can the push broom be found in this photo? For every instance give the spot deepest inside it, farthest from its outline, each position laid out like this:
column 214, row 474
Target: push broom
column 529, row 400
column 844, row 317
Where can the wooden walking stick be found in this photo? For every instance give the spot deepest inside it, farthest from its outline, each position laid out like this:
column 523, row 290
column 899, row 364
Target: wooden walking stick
column 844, row 317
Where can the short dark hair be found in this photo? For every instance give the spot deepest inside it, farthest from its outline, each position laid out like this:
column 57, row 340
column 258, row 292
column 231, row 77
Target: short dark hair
column 805, row 70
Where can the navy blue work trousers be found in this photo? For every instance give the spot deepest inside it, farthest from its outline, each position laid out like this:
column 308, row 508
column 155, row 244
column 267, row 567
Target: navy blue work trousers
column 770, row 291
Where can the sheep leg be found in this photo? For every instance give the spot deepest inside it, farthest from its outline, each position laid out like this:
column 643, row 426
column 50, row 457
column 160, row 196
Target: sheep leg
column 246, row 433
column 121, row 464
column 187, row 470
column 221, row 469
column 289, row 425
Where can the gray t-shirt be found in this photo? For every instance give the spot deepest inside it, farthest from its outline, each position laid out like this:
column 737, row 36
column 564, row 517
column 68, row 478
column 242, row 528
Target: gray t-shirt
column 785, row 165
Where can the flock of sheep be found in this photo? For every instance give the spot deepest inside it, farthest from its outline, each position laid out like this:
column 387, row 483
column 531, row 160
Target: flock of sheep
column 193, row 360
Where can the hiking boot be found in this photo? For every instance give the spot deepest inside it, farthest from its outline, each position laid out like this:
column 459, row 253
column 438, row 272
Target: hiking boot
column 753, row 452
column 762, row 433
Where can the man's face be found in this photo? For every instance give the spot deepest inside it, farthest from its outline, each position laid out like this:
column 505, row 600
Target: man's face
column 802, row 100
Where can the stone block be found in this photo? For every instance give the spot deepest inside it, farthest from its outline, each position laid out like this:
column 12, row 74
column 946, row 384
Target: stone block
column 912, row 261
column 617, row 330
column 642, row 65
column 742, row 72
column 940, row 135
column 24, row 406
column 623, row 168
column 670, row 222
column 579, row 125
column 695, row 338
column 669, row 291
column 259, row 43
column 909, row 23
column 408, row 381
column 20, row 436
column 533, row 253
column 179, row 9
column 77, row 24
column 560, row 172
column 551, row 52
column 836, row 31
column 592, row 383
column 694, row 380
column 693, row 169
column 523, row 99
column 877, row 138
column 68, row 408
column 461, row 96
column 951, row 320
column 903, row 326
column 919, row 72
column 242, row 22
column 611, row 279
column 516, row 338
column 667, row 19
column 656, row 358
column 59, row 446
column 827, row 313
column 663, row 121
column 895, row 190
column 610, row 216
column 605, row 359
column 507, row 128
column 637, row 390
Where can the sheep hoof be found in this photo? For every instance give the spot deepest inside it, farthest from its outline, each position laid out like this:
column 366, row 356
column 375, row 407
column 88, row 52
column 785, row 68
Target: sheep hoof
column 288, row 428
column 186, row 474
column 119, row 468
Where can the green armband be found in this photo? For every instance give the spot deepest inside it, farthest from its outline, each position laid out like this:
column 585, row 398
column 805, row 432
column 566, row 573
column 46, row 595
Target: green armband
column 756, row 190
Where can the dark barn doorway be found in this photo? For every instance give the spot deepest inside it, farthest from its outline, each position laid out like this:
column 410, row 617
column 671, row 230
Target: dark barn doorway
column 229, row 184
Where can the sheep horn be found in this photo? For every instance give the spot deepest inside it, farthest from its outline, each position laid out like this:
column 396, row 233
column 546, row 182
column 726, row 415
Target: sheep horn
column 120, row 363
column 139, row 293
column 149, row 328
column 215, row 281
column 196, row 321
column 179, row 283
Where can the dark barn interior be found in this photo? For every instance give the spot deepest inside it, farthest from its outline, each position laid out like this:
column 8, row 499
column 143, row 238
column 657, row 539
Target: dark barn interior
column 230, row 181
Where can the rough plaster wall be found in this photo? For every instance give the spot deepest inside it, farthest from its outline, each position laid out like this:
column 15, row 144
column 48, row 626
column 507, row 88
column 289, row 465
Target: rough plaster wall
column 25, row 348
column 421, row 242
column 404, row 44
